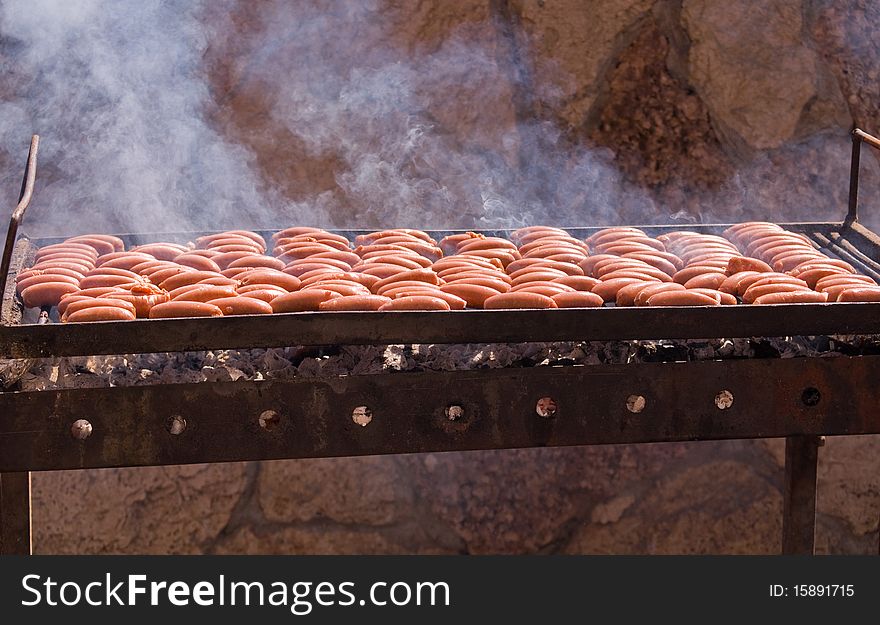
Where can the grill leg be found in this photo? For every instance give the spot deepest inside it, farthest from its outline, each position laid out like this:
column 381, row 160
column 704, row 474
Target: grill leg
column 799, row 494
column 15, row 513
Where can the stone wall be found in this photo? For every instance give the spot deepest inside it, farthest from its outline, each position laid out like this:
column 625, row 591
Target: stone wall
column 709, row 109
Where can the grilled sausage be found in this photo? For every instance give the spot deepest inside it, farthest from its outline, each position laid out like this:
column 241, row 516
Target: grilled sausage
column 547, row 289
column 755, row 292
column 240, row 305
column 738, row 264
column 202, row 263
column 270, row 276
column 607, row 289
column 301, row 301
column 262, row 292
column 355, row 302
column 46, row 293
column 43, row 278
column 860, row 294
column 725, row 299
column 100, row 313
column 142, row 302
column 455, row 303
column 627, row 295
column 578, row 283
column 577, row 299
column 415, row 302
column 681, row 298
column 519, row 300
column 117, row 243
column 658, row 287
column 184, row 309
column 201, row 293
column 473, row 294
column 706, row 281
column 91, row 302
column 300, row 267
column 344, row 288
column 792, row 297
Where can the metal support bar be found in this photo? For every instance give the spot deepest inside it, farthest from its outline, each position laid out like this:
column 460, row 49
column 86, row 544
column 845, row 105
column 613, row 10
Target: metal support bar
column 24, row 199
column 799, row 494
column 858, row 137
column 15, row 513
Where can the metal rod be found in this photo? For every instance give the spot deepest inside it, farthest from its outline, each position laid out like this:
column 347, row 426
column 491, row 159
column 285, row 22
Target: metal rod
column 858, row 136
column 799, row 494
column 15, row 514
column 24, row 199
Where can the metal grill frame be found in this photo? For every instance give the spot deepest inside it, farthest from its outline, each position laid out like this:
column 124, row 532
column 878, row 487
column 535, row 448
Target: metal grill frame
column 803, row 400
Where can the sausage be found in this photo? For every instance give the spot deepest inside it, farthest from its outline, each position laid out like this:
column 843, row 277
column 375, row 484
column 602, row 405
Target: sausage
column 790, row 261
column 449, row 244
column 100, row 313
column 812, row 276
column 692, row 271
column 403, row 253
column 161, row 251
column 46, row 293
column 66, row 248
column 681, row 298
column 627, row 295
column 264, row 292
column 349, row 258
column 270, row 276
column 542, row 275
column 335, row 240
column 825, row 262
column 657, row 287
column 355, row 302
column 223, row 259
column 184, row 309
column 106, row 280
column 67, row 256
column 627, row 247
column 637, row 272
column 160, row 275
column 199, row 262
column 473, row 294
column 240, row 305
column 841, row 278
column 706, row 281
column 607, row 289
column 415, row 302
column 577, row 299
column 571, row 269
column 99, row 245
column 487, row 243
column 450, row 261
column 792, row 297
column 301, row 301
column 561, row 241
column 731, row 282
column 82, row 268
column 295, row 230
column 142, row 302
column 616, row 231
column 123, row 260
column 756, row 291
column 526, row 230
column 860, row 294
column 201, row 293
column 298, row 268
column 746, row 282
column 542, row 288
column 403, row 261
column 117, row 243
column 518, row 300
column 738, row 264
column 552, row 249
column 43, row 278
column 253, row 236
column 343, row 288
column 777, row 279
column 657, row 262
column 91, row 302
column 419, row 275
column 403, row 284
column 450, row 275
column 49, row 271
column 380, row 270
column 505, row 256
column 725, row 299
column 455, row 303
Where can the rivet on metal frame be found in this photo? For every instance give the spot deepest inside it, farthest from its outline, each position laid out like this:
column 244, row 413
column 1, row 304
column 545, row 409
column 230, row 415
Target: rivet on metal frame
column 635, row 403
column 362, row 415
column 81, row 429
column 724, row 400
column 269, row 420
column 546, row 407
column 175, row 425
column 454, row 412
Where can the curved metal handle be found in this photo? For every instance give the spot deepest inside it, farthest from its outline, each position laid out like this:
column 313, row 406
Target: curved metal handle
column 24, row 199
column 858, row 137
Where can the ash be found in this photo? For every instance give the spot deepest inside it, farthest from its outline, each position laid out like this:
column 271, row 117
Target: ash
column 309, row 363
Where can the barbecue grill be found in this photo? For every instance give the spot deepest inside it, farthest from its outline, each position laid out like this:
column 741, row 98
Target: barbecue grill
column 801, row 399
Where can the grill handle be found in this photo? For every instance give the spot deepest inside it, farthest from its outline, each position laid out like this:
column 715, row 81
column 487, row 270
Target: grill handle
column 858, row 137
column 24, row 199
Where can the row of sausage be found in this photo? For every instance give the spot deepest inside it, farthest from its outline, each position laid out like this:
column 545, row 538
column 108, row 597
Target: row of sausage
column 92, row 277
